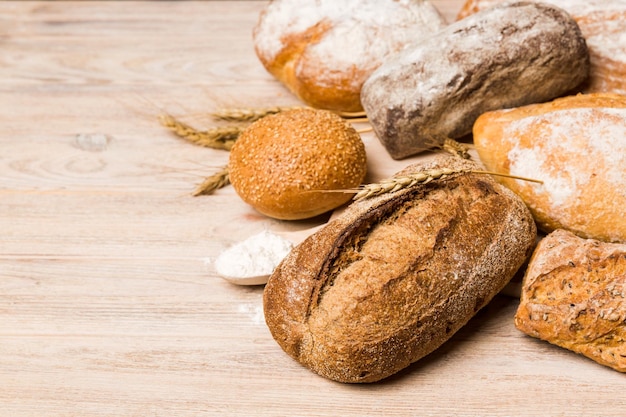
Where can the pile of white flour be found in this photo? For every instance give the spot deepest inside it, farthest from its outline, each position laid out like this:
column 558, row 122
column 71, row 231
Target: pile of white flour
column 256, row 256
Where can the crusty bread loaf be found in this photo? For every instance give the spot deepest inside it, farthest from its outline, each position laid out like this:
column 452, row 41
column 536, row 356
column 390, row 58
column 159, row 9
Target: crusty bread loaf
column 603, row 24
column 502, row 57
column 281, row 163
column 573, row 296
column 577, row 146
column 396, row 275
column 324, row 50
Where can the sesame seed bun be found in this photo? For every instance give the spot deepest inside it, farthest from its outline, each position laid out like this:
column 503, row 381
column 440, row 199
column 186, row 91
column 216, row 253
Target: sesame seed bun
column 281, row 163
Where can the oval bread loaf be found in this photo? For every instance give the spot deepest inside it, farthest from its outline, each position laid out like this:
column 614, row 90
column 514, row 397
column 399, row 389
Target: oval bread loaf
column 506, row 56
column 324, row 50
column 573, row 297
column 396, row 275
column 603, row 24
column 576, row 145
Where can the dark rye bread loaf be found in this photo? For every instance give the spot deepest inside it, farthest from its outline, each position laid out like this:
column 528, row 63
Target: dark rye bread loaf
column 506, row 56
column 396, row 275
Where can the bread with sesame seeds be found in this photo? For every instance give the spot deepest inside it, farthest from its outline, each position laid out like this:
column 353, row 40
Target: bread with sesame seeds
column 395, row 276
column 573, row 297
column 282, row 164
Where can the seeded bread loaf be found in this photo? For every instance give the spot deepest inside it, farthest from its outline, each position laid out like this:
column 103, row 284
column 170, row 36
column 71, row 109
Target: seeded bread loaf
column 603, row 24
column 324, row 50
column 576, row 146
column 573, row 296
column 396, row 275
column 506, row 56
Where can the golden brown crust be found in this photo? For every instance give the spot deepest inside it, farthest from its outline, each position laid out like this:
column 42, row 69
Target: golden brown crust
column 577, row 146
column 397, row 275
column 573, row 296
column 324, row 50
column 281, row 163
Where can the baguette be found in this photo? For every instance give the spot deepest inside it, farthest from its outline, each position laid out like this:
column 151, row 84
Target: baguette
column 396, row 275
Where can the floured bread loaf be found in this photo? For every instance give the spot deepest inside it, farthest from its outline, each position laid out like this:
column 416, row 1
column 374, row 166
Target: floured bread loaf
column 573, row 295
column 577, row 146
column 395, row 276
column 603, row 24
column 503, row 57
column 324, row 50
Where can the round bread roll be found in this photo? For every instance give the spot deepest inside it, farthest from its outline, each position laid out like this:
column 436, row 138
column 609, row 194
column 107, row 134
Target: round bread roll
column 324, row 50
column 280, row 161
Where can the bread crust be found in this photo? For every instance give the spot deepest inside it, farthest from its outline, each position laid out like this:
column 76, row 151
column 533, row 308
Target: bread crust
column 576, row 145
column 324, row 50
column 602, row 23
column 506, row 56
column 573, row 296
column 395, row 276
column 282, row 164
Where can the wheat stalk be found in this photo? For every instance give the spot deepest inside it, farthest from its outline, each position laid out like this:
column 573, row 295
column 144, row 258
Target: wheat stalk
column 214, row 182
column 455, row 148
column 249, row 114
column 246, row 114
column 352, row 115
column 218, row 138
column 394, row 184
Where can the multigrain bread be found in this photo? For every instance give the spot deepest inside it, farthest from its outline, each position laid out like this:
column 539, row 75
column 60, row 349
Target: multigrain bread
column 573, row 296
column 576, row 145
column 282, row 164
column 502, row 57
column 396, row 275
column 603, row 24
column 324, row 50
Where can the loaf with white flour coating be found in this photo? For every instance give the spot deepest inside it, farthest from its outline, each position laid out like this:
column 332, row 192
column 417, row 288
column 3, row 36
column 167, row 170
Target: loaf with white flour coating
column 506, row 56
column 576, row 146
column 603, row 24
column 323, row 50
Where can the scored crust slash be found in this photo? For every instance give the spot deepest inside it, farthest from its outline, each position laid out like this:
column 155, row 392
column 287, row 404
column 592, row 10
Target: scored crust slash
column 396, row 275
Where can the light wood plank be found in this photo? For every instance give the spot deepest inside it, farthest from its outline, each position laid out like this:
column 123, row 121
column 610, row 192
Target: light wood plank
column 108, row 301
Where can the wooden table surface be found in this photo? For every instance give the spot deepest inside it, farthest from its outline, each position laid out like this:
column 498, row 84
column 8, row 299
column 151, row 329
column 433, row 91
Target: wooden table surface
column 109, row 305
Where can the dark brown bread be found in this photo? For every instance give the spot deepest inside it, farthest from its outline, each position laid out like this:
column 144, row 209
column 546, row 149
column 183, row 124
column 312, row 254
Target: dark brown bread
column 603, row 24
column 395, row 276
column 573, row 296
column 506, row 56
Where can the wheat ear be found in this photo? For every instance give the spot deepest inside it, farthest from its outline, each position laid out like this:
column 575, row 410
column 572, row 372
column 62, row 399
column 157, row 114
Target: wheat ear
column 218, row 138
column 214, row 182
column 246, row 114
column 394, row 184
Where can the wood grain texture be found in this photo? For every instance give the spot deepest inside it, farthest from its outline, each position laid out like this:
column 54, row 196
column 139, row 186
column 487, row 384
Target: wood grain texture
column 108, row 302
